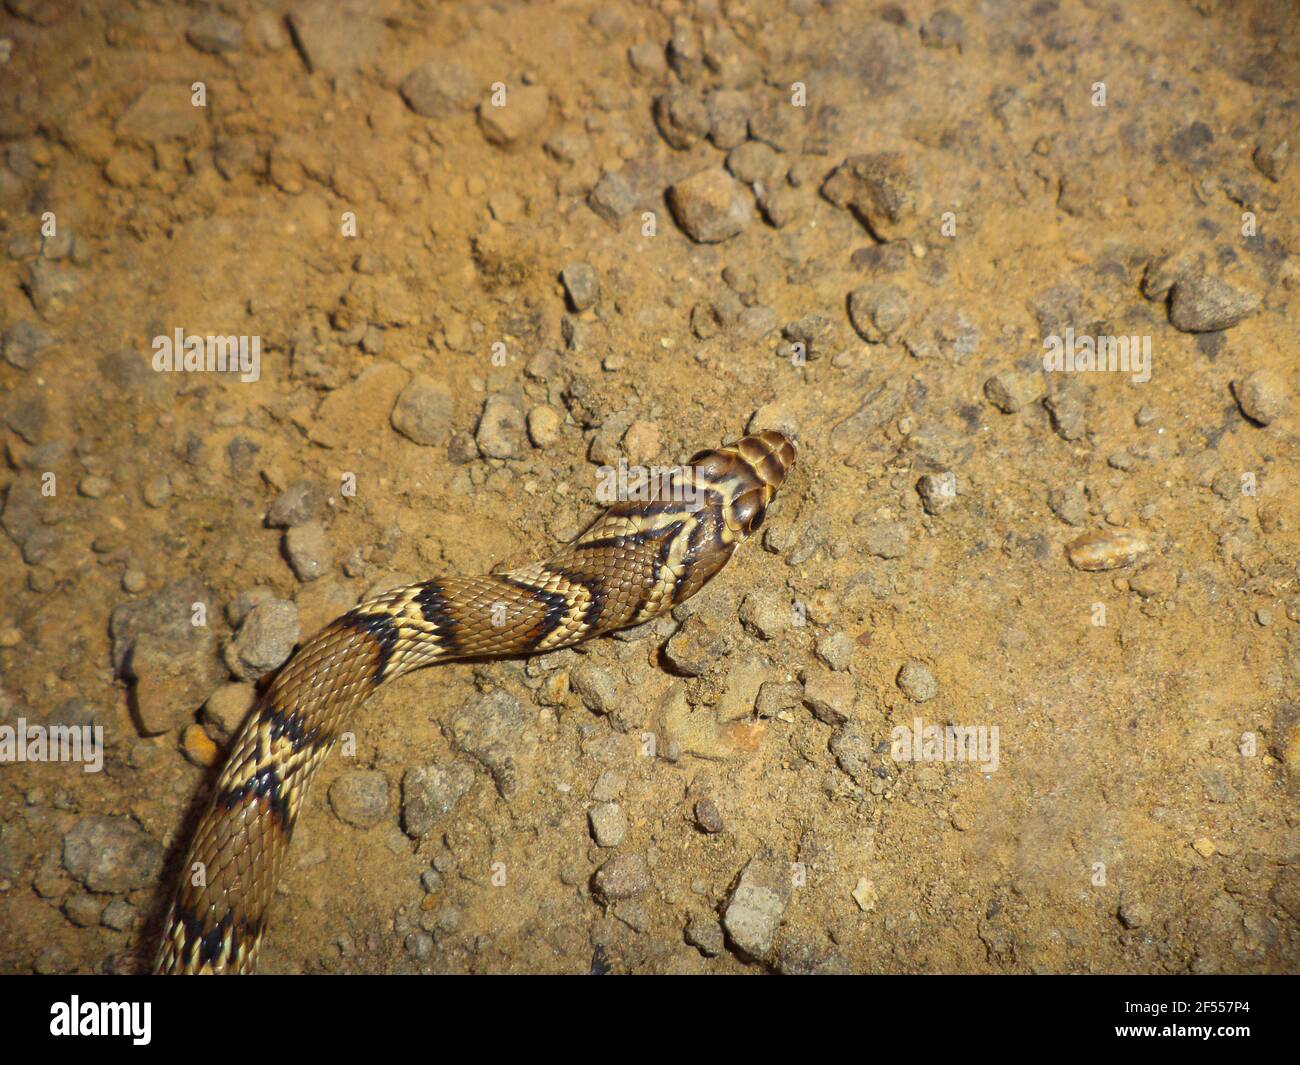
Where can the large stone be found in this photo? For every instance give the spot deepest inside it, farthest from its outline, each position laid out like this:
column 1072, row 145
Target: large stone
column 1201, row 303
column 710, row 206
column 336, row 36
column 423, row 412
column 439, row 87
column 756, row 907
column 359, row 797
column 361, row 407
column 501, row 428
column 430, row 793
column 881, row 188
column 112, row 854
column 163, row 112
column 520, row 120
column 170, row 679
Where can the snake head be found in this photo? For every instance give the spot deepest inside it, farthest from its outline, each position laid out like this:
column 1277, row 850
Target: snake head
column 745, row 475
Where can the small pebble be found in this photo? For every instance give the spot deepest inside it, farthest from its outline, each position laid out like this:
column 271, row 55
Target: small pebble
column 359, row 797
column 543, row 426
column 581, row 285
column 1201, row 303
column 198, row 746
column 309, row 551
column 1134, row 914
column 93, row 486
column 1106, row 549
column 836, row 650
column 608, row 824
column 917, row 682
column 938, row 491
column 298, row 504
column 708, row 817
column 623, row 877
column 1262, row 396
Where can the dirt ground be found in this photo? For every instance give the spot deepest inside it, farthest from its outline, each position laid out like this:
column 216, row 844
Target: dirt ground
column 487, row 249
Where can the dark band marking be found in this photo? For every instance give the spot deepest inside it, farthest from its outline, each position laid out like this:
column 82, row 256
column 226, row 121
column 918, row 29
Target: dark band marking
column 555, row 608
column 434, row 608
column 597, row 595
column 264, row 785
column 290, row 725
column 381, row 629
column 659, row 534
column 203, row 948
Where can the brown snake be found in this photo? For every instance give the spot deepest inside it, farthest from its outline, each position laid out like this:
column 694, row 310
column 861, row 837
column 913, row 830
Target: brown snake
column 636, row 561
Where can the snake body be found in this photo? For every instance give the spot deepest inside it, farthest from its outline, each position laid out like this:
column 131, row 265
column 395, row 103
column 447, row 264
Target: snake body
column 637, row 560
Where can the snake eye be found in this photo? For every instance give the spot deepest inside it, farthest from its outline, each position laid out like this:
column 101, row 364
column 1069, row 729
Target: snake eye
column 749, row 511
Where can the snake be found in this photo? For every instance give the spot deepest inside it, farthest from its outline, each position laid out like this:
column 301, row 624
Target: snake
column 650, row 550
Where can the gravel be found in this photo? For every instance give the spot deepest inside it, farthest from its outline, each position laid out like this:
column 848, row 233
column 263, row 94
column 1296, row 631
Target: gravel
column 830, row 696
column 878, row 311
column 765, row 614
column 611, row 197
column 1010, row 391
column 519, row 120
column 836, row 650
column 705, row 934
column 214, row 33
column 695, row 648
column 501, row 428
column 938, row 491
column 596, row 687
column 683, row 118
column 439, row 87
column 227, row 707
column 708, row 817
column 22, row 342
column 888, row 539
column 881, row 189
column 1106, row 549
column 544, row 426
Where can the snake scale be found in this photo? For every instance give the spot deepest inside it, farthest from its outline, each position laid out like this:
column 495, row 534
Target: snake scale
column 637, row 560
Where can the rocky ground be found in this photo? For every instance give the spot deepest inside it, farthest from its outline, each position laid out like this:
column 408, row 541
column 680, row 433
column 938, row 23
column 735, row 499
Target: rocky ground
column 486, row 249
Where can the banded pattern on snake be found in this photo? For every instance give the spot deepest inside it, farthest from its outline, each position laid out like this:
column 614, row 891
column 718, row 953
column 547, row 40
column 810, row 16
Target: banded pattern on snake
column 636, row 561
